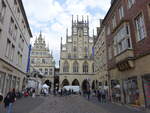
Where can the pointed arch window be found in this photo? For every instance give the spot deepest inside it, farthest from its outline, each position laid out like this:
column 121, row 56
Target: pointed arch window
column 75, row 67
column 85, row 67
column 66, row 67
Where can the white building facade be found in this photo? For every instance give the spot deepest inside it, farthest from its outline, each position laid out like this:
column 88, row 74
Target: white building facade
column 15, row 37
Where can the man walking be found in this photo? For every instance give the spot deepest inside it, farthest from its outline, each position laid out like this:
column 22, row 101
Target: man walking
column 9, row 100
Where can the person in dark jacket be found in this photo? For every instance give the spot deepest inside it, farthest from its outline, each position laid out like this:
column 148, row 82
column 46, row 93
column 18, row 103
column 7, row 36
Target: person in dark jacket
column 9, row 100
column 1, row 98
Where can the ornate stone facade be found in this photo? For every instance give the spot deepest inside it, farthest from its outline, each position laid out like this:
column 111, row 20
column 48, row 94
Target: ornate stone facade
column 42, row 59
column 76, row 56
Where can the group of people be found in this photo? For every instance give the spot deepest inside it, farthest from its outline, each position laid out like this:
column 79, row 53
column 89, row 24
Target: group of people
column 8, row 100
column 102, row 95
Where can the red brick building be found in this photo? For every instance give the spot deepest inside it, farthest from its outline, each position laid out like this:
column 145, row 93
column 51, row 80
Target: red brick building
column 127, row 30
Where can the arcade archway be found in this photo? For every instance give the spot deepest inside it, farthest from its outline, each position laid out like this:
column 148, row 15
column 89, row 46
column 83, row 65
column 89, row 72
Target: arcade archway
column 93, row 85
column 65, row 82
column 85, row 85
column 75, row 83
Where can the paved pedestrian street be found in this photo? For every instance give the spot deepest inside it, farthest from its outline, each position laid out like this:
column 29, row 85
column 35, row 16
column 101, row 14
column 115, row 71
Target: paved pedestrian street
column 67, row 104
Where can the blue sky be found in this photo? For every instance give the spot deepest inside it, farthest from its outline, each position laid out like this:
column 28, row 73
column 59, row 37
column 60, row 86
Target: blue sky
column 52, row 17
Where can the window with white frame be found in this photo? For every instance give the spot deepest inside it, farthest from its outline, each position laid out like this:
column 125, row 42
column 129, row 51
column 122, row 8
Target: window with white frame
column 50, row 71
column 108, row 30
column 2, row 10
column 12, row 52
column 121, row 12
column 11, row 26
column 130, row 3
column 122, row 39
column 46, row 71
column 140, row 27
column 8, row 47
column 15, row 33
column 113, row 21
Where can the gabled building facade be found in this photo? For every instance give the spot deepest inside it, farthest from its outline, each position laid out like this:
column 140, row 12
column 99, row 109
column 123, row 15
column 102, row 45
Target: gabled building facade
column 76, row 56
column 42, row 60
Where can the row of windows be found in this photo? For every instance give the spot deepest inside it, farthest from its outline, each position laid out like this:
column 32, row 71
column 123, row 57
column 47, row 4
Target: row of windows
column 85, row 67
column 38, row 60
column 120, row 14
column 13, row 29
column 122, row 40
column 46, row 71
column 10, row 52
column 40, row 53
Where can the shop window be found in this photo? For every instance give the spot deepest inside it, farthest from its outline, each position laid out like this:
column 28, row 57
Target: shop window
column 2, row 81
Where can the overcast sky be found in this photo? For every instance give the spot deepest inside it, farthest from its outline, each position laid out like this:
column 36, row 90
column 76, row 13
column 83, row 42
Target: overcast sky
column 52, row 17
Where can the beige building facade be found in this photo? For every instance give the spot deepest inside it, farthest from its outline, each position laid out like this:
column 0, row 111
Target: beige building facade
column 76, row 57
column 42, row 60
column 100, row 57
column 15, row 37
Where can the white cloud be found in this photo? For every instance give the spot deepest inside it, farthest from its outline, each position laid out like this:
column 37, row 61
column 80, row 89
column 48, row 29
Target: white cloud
column 53, row 18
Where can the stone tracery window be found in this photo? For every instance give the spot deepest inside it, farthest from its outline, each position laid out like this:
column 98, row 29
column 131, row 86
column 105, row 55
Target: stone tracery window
column 66, row 67
column 85, row 67
column 75, row 66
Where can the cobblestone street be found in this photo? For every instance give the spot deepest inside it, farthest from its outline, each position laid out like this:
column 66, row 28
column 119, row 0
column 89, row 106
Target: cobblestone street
column 67, row 104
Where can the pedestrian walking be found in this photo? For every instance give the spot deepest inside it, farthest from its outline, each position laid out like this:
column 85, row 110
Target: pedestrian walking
column 99, row 95
column 88, row 93
column 1, row 98
column 33, row 93
column 103, row 93
column 9, row 100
